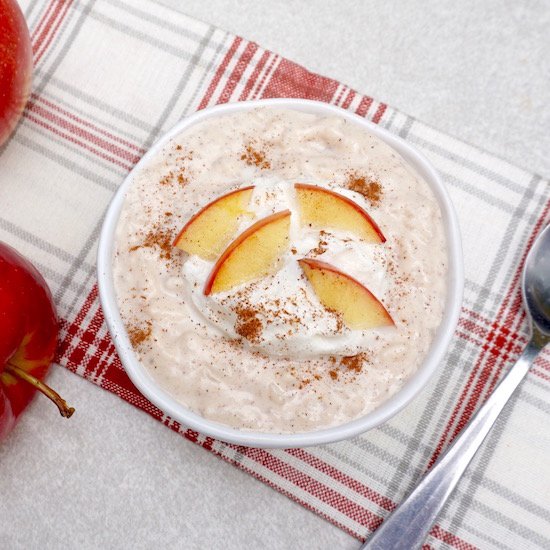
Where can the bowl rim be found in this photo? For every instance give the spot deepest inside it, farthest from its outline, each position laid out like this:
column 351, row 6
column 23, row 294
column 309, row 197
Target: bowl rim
column 412, row 387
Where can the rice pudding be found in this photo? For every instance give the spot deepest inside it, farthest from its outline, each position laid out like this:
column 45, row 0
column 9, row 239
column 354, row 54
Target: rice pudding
column 278, row 271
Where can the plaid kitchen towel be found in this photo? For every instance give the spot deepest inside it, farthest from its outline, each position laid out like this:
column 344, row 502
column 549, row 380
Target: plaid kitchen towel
column 111, row 76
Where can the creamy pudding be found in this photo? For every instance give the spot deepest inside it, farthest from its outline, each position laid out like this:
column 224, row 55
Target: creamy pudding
column 278, row 271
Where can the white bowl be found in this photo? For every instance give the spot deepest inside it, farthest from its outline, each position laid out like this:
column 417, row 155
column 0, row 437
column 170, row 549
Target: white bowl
column 149, row 388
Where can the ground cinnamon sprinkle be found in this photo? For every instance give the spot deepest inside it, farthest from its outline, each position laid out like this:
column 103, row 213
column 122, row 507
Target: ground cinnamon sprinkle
column 253, row 157
column 333, row 374
column 339, row 319
column 182, row 180
column 160, row 238
column 371, row 190
column 180, row 174
column 321, row 248
column 138, row 335
column 167, row 179
column 354, row 362
column 248, row 325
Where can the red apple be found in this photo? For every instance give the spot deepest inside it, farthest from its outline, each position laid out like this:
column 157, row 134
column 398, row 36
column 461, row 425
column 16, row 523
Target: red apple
column 29, row 329
column 15, row 66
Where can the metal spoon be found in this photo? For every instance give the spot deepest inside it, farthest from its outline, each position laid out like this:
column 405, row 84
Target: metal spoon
column 410, row 523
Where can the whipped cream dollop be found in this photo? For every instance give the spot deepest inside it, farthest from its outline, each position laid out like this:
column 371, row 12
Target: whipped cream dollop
column 280, row 314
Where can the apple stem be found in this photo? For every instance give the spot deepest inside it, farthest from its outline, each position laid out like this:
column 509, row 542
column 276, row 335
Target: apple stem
column 64, row 409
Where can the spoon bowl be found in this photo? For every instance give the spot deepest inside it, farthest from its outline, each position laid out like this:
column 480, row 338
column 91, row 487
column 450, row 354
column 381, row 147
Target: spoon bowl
column 536, row 283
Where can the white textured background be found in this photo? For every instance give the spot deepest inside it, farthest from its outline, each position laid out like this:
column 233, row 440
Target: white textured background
column 112, row 477
column 480, row 70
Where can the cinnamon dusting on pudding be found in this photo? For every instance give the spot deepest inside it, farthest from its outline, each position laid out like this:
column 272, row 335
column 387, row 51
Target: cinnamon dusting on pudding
column 167, row 178
column 254, row 157
column 321, row 247
column 339, row 319
column 160, row 238
column 269, row 312
column 354, row 362
column 248, row 325
column 179, row 174
column 138, row 334
column 370, row 189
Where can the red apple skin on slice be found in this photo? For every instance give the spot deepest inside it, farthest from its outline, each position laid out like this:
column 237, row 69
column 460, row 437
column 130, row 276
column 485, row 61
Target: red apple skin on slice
column 339, row 292
column 320, row 207
column 209, row 231
column 253, row 254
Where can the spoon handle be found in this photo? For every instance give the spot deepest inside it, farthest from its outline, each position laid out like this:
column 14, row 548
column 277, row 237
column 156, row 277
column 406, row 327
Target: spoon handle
column 409, row 524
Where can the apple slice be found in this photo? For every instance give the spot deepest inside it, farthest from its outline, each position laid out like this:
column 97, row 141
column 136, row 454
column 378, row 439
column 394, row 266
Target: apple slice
column 207, row 233
column 324, row 208
column 252, row 254
column 337, row 291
